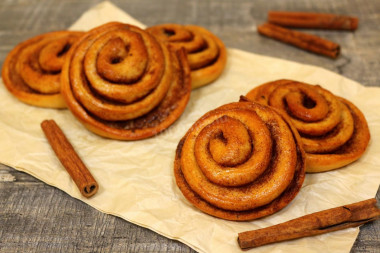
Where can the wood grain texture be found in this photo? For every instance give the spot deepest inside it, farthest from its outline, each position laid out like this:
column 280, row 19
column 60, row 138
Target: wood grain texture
column 35, row 217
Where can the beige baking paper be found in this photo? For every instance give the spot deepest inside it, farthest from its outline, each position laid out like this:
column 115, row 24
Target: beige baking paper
column 136, row 178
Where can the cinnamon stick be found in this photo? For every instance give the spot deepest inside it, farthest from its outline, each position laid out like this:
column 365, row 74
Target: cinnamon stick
column 69, row 158
column 329, row 220
column 302, row 40
column 313, row 20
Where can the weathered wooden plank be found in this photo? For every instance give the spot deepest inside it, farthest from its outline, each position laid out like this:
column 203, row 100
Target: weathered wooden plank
column 36, row 217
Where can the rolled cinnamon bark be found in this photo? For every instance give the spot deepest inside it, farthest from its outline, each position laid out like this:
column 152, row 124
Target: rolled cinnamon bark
column 69, row 158
column 301, row 40
column 313, row 20
column 329, row 220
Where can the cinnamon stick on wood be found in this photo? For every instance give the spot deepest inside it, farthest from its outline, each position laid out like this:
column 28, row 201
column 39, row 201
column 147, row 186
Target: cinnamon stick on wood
column 69, row 158
column 302, row 40
column 329, row 220
column 313, row 20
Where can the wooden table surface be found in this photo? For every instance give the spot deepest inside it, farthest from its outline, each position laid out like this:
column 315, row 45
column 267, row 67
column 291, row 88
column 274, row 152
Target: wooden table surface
column 35, row 217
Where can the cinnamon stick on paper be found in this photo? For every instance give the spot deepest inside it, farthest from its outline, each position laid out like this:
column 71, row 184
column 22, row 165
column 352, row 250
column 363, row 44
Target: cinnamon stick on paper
column 69, row 158
column 329, row 220
column 313, row 20
column 302, row 40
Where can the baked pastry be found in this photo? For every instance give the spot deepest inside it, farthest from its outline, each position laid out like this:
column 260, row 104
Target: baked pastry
column 241, row 161
column 31, row 71
column 334, row 131
column 123, row 83
column 206, row 53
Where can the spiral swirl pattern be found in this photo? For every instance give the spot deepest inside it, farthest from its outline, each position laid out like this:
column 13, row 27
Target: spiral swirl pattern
column 122, row 83
column 240, row 161
column 32, row 70
column 334, row 132
column 206, row 53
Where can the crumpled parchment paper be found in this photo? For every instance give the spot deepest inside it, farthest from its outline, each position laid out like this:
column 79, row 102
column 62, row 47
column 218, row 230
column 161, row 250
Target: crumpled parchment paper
column 136, row 178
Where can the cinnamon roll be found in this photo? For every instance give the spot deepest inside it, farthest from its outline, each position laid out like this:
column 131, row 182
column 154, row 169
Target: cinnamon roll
column 241, row 161
column 206, row 53
column 31, row 71
column 122, row 83
column 334, row 131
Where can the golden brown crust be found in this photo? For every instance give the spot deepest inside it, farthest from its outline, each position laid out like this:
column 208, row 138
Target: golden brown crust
column 206, row 53
column 248, row 183
column 334, row 132
column 350, row 151
column 125, row 100
column 31, row 71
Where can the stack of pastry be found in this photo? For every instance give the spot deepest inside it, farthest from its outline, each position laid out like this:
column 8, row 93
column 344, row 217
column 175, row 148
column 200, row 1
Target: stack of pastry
column 241, row 161
column 120, row 81
column 246, row 160
column 334, row 131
